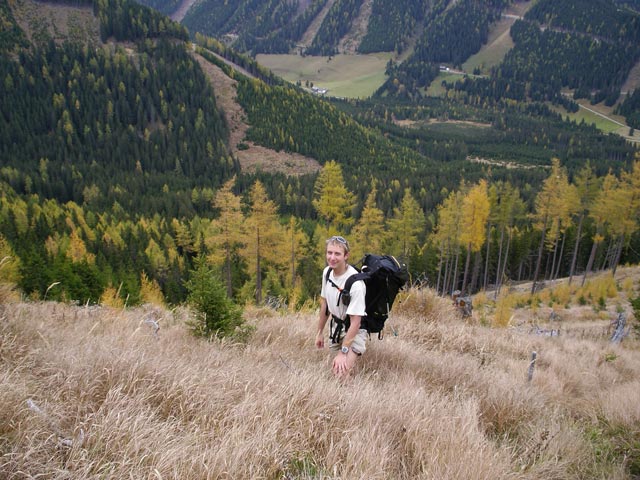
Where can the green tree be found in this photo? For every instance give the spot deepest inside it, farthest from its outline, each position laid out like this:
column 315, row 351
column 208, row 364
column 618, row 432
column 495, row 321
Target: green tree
column 216, row 314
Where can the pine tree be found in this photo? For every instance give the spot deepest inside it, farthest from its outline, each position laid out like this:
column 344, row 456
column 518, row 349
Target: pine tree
column 216, row 314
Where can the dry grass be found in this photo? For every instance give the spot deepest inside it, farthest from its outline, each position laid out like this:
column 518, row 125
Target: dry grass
column 94, row 393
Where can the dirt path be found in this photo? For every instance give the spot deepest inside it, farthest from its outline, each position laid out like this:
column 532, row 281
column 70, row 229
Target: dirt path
column 182, row 10
column 252, row 157
column 312, row 31
column 351, row 41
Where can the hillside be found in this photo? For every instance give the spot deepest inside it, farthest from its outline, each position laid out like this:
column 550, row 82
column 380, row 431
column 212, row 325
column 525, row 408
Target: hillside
column 252, row 157
column 472, row 37
column 94, row 391
column 128, row 152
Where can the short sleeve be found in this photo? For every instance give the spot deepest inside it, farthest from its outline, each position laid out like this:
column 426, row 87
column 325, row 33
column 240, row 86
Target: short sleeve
column 323, row 290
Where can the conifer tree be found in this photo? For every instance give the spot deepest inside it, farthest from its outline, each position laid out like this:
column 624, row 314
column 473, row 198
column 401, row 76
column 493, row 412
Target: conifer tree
column 369, row 232
column 332, row 200
column 447, row 238
column 264, row 237
column 628, row 201
column 510, row 208
column 150, row 291
column 9, row 263
column 603, row 208
column 295, row 240
column 587, row 185
column 551, row 209
column 475, row 213
column 225, row 234
column 406, row 226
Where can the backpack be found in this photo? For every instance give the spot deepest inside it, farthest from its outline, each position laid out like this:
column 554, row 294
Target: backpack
column 384, row 277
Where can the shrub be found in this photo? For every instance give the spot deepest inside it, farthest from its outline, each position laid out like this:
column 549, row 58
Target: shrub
column 217, row 315
column 504, row 310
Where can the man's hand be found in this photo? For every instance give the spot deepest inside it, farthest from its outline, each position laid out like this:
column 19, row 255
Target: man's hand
column 320, row 340
column 342, row 364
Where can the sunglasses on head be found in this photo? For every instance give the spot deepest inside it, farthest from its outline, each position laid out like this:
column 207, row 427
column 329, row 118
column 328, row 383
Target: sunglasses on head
column 338, row 238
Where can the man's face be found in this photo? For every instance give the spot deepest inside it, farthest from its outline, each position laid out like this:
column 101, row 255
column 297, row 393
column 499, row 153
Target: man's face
column 336, row 256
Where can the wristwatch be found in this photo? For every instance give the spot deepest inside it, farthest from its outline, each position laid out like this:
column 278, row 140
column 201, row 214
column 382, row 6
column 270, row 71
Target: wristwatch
column 344, row 349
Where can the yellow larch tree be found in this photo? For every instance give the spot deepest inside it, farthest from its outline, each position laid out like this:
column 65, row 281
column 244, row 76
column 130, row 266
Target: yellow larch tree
column 333, row 202
column 406, row 226
column 554, row 206
column 369, row 234
column 604, row 206
column 447, row 238
column 224, row 235
column 475, row 213
column 264, row 237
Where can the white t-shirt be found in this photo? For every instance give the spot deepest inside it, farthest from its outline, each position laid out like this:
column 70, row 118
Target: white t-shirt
column 331, row 293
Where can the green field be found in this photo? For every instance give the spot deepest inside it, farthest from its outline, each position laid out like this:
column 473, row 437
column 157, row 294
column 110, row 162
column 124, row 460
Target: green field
column 491, row 54
column 348, row 76
column 588, row 114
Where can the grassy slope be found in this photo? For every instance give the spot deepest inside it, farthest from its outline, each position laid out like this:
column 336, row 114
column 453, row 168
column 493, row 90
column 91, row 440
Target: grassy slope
column 350, row 76
column 442, row 399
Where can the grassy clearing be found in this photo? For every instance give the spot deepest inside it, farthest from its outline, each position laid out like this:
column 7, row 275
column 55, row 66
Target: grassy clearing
column 349, row 76
column 94, row 393
column 492, row 53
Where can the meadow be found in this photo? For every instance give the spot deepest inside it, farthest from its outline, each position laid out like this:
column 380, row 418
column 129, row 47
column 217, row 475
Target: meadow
column 94, row 392
column 345, row 76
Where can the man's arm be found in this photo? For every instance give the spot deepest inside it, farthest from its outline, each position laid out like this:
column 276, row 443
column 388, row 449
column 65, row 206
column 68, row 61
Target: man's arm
column 342, row 363
column 354, row 328
column 322, row 321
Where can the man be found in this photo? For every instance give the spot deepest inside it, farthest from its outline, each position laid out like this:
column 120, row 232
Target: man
column 334, row 305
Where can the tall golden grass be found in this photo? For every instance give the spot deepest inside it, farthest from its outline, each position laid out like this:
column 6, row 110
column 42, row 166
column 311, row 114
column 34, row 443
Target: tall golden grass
column 96, row 392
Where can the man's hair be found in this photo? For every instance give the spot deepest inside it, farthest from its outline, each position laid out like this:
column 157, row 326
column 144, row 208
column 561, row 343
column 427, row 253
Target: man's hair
column 338, row 240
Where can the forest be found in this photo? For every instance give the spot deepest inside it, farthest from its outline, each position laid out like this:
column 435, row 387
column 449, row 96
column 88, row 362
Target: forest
column 588, row 46
column 116, row 175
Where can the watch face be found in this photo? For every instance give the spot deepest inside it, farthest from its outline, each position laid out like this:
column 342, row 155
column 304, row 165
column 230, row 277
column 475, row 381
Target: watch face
column 345, row 349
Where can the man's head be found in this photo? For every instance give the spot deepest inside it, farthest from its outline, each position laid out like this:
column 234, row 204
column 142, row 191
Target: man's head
column 337, row 252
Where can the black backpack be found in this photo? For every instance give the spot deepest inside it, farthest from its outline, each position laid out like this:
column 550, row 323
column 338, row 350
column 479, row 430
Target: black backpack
column 384, row 277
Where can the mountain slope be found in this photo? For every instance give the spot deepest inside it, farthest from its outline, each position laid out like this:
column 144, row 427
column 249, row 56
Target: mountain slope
column 252, row 157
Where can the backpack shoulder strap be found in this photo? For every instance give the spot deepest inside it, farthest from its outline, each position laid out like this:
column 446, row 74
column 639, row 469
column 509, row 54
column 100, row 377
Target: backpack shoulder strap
column 354, row 278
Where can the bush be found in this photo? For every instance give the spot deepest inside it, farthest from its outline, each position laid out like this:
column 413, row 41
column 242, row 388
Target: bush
column 217, row 315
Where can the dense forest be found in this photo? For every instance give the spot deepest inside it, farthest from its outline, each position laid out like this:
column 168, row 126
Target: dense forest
column 588, row 46
column 116, row 174
column 391, row 25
